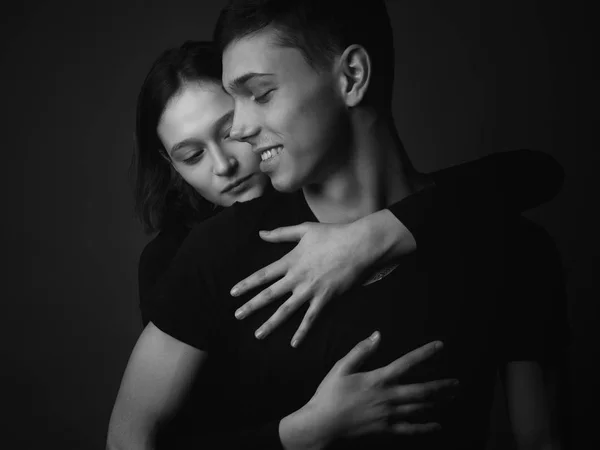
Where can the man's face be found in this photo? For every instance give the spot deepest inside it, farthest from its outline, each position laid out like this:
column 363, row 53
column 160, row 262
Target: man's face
column 292, row 115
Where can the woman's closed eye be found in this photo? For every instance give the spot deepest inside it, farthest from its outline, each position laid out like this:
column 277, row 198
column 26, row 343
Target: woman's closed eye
column 263, row 98
column 193, row 157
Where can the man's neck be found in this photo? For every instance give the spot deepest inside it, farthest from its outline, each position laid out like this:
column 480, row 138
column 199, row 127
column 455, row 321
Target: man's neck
column 374, row 174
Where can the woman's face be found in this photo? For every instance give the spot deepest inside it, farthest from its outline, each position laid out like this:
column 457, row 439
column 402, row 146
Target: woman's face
column 194, row 129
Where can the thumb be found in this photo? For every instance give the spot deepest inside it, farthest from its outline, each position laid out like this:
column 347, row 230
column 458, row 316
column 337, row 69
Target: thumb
column 284, row 234
column 361, row 351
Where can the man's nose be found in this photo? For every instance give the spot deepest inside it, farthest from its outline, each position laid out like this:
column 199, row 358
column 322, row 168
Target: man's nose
column 244, row 127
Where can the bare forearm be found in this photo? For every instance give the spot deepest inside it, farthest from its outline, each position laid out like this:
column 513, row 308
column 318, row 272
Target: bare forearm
column 128, row 441
column 387, row 239
column 532, row 406
column 299, row 431
column 543, row 444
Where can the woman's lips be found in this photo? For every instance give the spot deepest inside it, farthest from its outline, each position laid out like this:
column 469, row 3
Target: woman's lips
column 238, row 185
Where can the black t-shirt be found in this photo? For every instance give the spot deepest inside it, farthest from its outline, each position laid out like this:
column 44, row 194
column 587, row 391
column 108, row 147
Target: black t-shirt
column 455, row 288
column 514, row 181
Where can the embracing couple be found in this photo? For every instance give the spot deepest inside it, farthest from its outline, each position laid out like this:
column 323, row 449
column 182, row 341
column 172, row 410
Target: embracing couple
column 270, row 163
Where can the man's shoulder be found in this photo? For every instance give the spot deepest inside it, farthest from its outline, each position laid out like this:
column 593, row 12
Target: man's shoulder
column 532, row 254
column 236, row 223
column 524, row 233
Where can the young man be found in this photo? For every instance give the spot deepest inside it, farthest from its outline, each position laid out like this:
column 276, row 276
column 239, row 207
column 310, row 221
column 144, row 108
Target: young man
column 320, row 117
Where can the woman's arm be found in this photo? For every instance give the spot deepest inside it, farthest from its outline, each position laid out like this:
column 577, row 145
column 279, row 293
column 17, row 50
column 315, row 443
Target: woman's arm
column 329, row 259
column 161, row 371
column 307, row 428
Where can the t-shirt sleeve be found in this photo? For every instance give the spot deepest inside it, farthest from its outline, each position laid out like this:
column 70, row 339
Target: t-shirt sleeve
column 154, row 261
column 534, row 314
column 183, row 303
column 510, row 182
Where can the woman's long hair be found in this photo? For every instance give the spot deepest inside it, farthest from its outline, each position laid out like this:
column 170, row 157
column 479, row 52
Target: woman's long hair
column 161, row 196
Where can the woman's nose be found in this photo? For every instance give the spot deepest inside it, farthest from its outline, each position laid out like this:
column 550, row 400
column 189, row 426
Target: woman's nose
column 224, row 164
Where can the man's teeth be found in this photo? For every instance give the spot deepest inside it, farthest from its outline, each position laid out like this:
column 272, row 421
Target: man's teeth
column 267, row 154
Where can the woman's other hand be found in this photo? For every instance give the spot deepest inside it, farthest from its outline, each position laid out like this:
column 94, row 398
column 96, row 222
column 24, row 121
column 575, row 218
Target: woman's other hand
column 349, row 403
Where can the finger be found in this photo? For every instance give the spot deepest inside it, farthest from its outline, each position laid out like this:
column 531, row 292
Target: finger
column 285, row 234
column 265, row 297
column 408, row 361
column 411, row 429
column 420, row 392
column 311, row 314
column 260, row 277
column 281, row 315
column 355, row 357
column 377, row 426
column 413, row 410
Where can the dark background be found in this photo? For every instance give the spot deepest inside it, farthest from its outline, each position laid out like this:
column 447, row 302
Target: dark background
column 473, row 77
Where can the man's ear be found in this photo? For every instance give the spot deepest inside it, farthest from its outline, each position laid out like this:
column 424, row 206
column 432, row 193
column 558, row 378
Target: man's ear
column 355, row 74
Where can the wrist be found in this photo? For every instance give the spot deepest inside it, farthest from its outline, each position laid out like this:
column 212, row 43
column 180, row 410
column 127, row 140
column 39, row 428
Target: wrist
column 302, row 430
column 388, row 238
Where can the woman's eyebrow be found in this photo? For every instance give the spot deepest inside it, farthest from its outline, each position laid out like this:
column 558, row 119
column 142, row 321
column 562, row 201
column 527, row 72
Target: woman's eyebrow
column 185, row 143
column 223, row 120
column 217, row 125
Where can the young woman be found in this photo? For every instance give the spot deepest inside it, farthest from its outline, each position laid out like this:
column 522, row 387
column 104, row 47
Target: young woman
column 187, row 168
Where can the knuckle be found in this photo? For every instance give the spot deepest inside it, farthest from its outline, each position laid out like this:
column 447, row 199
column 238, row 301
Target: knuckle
column 423, row 391
column 261, row 275
column 285, row 309
column 308, row 319
column 302, row 290
column 266, row 294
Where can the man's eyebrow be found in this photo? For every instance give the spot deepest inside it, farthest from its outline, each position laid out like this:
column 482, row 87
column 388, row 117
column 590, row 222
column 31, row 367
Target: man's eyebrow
column 194, row 141
column 238, row 83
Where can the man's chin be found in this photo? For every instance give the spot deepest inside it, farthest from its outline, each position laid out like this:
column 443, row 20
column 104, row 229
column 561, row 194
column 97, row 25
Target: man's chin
column 284, row 185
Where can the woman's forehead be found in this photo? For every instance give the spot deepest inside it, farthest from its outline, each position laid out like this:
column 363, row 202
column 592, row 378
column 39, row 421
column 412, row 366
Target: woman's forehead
column 195, row 111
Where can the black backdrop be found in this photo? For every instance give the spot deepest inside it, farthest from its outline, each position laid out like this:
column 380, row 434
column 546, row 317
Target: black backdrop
column 473, row 77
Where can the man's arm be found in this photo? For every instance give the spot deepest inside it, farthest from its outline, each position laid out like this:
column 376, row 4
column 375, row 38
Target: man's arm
column 154, row 262
column 158, row 376
column 532, row 393
column 535, row 343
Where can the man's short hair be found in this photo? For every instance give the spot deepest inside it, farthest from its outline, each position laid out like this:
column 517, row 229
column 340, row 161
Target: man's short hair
column 321, row 30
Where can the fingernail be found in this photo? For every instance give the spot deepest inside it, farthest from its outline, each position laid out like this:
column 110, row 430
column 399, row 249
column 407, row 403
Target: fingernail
column 234, row 291
column 239, row 314
column 263, row 232
column 438, row 345
column 259, row 333
column 294, row 343
column 374, row 336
